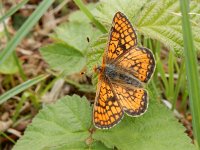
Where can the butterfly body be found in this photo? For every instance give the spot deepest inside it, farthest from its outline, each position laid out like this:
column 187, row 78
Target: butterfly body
column 121, row 77
column 118, row 75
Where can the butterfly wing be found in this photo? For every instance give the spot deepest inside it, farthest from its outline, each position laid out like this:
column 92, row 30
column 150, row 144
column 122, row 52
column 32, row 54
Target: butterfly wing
column 139, row 62
column 113, row 99
column 107, row 111
column 134, row 101
column 122, row 38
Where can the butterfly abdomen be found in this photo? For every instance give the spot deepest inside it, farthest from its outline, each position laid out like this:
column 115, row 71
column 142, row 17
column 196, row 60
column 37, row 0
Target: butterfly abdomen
column 120, row 76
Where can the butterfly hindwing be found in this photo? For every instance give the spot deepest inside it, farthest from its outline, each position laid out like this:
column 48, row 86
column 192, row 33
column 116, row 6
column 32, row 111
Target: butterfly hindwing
column 134, row 101
column 107, row 111
column 139, row 62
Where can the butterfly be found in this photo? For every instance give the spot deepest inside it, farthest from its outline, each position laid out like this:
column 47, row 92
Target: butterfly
column 125, row 69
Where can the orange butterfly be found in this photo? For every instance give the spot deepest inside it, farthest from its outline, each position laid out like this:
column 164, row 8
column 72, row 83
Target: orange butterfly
column 125, row 68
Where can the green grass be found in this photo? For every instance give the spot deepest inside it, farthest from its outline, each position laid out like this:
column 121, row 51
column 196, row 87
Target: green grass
column 191, row 70
column 25, row 29
column 16, row 90
column 12, row 10
column 25, row 96
column 7, row 137
column 172, row 80
column 8, row 36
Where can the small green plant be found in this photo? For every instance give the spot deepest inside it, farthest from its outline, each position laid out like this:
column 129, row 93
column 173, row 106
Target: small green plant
column 67, row 124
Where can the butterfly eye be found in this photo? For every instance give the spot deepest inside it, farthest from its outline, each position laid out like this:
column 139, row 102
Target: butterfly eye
column 82, row 73
column 97, row 69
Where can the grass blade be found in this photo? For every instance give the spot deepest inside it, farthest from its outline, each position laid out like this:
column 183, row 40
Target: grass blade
column 171, row 76
column 26, row 27
column 11, row 11
column 7, row 137
column 21, row 88
column 17, row 62
column 19, row 106
column 191, row 70
column 82, row 7
column 180, row 83
column 161, row 71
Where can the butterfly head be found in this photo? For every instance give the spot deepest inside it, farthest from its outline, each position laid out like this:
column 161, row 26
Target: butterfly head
column 98, row 69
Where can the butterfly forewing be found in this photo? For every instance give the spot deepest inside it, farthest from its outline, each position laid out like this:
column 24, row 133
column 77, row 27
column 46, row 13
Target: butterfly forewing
column 122, row 38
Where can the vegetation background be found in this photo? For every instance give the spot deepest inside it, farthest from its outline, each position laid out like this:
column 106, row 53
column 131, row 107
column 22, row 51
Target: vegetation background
column 45, row 102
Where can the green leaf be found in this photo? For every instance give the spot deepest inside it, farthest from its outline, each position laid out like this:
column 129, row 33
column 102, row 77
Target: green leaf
column 79, row 16
column 9, row 66
column 70, row 118
column 63, row 125
column 99, row 146
column 157, row 129
column 62, row 57
column 194, row 12
column 95, row 53
column 76, row 33
column 25, row 29
column 161, row 20
column 16, row 90
column 107, row 9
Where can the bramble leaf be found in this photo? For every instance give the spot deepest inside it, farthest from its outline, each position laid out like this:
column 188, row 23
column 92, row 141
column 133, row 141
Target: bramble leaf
column 63, row 125
column 76, row 34
column 157, row 129
column 66, row 125
column 9, row 66
column 159, row 20
column 63, row 57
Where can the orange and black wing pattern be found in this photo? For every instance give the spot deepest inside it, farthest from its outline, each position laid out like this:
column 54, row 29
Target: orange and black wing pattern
column 134, row 101
column 122, row 38
column 125, row 67
column 139, row 62
column 107, row 111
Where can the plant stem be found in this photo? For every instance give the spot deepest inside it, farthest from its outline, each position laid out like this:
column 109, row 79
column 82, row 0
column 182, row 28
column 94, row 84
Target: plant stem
column 191, row 70
column 81, row 5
